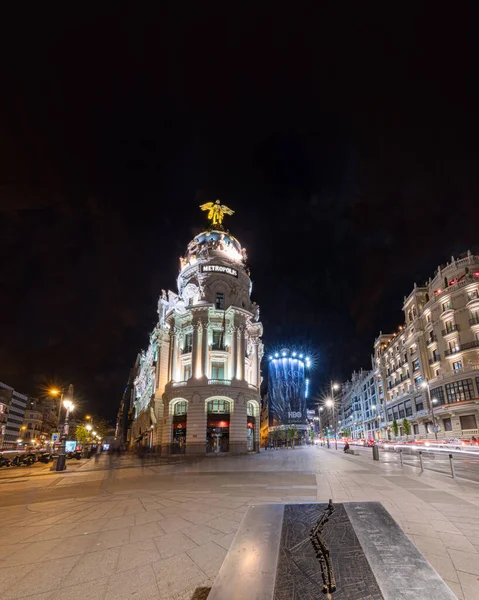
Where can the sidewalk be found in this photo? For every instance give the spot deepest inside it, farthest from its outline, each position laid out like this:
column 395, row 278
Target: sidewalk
column 163, row 530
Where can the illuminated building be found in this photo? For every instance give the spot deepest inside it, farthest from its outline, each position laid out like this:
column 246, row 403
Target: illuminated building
column 438, row 345
column 359, row 405
column 287, row 390
column 12, row 412
column 197, row 386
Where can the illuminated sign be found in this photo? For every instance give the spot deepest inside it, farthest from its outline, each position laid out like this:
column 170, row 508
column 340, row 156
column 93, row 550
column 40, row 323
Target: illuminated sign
column 219, row 269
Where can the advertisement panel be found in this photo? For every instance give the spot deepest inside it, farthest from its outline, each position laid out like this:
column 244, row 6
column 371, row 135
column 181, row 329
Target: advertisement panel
column 286, row 391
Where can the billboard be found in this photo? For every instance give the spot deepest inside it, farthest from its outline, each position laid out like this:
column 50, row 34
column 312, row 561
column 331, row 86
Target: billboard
column 286, row 390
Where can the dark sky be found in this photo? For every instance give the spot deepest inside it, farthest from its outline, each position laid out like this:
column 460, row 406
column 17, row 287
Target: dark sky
column 344, row 138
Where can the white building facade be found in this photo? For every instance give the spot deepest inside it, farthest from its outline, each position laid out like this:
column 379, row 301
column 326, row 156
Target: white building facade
column 360, row 406
column 439, row 346
column 198, row 385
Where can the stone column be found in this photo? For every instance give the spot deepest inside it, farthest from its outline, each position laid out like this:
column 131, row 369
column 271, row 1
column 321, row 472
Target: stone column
column 195, row 351
column 170, row 355
column 254, row 363
column 238, row 426
column 234, row 351
column 174, row 357
column 241, row 349
column 196, row 426
column 204, row 350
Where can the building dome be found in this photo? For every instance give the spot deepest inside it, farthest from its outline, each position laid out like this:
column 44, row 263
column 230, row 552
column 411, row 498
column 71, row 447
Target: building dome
column 219, row 243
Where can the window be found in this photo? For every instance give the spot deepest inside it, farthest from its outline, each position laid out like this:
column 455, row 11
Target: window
column 458, row 391
column 457, row 365
column 218, row 339
column 472, row 295
column 447, row 424
column 446, row 305
column 415, row 429
column 395, row 412
column 428, row 427
column 29, row 426
column 250, row 409
column 408, row 408
column 474, row 320
column 390, row 415
column 415, row 365
column 219, row 406
column 438, row 394
column 468, row 422
column 449, row 326
column 188, row 345
column 402, row 414
column 417, row 380
column 453, row 346
column 428, row 318
column 419, row 405
column 181, row 408
column 220, row 300
column 186, row 372
column 217, row 370
column 435, row 356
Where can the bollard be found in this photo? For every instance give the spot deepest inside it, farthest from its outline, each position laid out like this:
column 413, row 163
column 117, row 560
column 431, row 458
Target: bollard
column 420, row 460
column 400, row 455
column 453, row 470
column 375, row 452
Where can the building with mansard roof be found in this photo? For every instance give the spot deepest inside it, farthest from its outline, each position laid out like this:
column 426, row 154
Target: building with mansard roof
column 197, row 388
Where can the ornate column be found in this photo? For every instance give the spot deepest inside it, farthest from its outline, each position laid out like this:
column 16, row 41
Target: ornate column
column 254, row 363
column 170, row 354
column 204, row 349
column 234, row 351
column 240, row 353
column 194, row 351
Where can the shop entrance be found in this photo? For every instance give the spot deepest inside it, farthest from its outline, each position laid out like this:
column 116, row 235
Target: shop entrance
column 180, row 411
column 250, row 427
column 218, row 426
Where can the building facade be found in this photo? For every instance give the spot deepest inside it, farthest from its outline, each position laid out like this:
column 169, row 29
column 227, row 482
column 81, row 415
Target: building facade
column 428, row 371
column 360, row 406
column 12, row 412
column 40, row 422
column 197, row 389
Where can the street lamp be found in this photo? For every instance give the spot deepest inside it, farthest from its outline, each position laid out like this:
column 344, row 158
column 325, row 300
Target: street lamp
column 425, row 385
column 334, row 386
column 61, row 463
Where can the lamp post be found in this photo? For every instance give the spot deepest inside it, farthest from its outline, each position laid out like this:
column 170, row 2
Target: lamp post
column 425, row 385
column 61, row 463
column 331, row 404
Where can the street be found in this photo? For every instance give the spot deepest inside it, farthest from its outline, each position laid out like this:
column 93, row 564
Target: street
column 161, row 528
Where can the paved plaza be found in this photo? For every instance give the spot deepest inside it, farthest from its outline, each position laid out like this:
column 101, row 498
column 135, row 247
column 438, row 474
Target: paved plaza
column 161, row 529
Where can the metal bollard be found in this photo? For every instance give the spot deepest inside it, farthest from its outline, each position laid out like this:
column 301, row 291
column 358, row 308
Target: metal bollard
column 375, row 452
column 420, row 460
column 400, row 455
column 453, row 470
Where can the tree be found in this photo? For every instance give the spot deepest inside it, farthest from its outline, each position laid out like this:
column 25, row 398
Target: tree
column 294, row 434
column 82, row 435
column 406, row 425
column 395, row 427
column 311, row 434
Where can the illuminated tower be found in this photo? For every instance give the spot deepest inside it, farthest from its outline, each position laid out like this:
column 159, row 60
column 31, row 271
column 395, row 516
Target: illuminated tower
column 288, row 389
column 207, row 352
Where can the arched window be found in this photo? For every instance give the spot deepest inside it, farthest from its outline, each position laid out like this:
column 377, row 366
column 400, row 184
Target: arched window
column 219, row 406
column 29, row 426
column 250, row 409
column 180, row 408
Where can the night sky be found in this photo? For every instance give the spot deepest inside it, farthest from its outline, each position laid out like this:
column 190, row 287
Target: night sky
column 344, row 139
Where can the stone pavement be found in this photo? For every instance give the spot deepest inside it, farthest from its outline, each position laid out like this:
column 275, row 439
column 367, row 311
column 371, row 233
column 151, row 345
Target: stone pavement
column 162, row 530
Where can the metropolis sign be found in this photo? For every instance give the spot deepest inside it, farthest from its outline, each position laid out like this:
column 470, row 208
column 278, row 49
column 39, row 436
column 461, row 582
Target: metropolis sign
column 219, row 269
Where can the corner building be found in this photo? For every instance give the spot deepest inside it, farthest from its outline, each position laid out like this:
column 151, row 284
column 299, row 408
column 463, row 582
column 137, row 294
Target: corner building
column 438, row 344
column 198, row 385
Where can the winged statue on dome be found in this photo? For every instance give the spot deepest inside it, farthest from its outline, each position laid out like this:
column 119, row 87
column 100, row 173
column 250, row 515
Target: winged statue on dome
column 217, row 211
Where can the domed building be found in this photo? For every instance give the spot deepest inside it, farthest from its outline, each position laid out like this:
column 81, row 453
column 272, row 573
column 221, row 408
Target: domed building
column 198, row 386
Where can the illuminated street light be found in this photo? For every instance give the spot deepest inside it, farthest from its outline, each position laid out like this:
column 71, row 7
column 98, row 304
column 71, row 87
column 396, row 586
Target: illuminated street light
column 88, row 427
column 432, row 402
column 329, row 403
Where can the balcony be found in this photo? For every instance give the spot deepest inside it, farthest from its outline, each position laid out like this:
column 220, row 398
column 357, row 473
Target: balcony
column 434, row 359
column 178, row 383
column 186, row 350
column 462, row 347
column 431, row 340
column 474, row 321
column 218, row 346
column 219, row 381
column 449, row 330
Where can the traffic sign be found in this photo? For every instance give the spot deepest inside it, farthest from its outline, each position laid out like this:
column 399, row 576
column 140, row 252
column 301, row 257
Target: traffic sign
column 55, row 437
